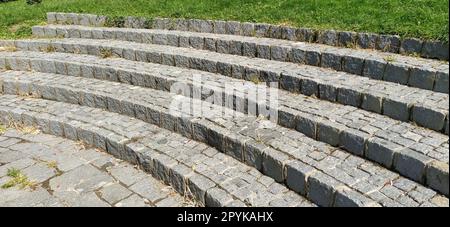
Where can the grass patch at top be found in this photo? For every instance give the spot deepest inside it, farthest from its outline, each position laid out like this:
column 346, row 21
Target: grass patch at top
column 426, row 19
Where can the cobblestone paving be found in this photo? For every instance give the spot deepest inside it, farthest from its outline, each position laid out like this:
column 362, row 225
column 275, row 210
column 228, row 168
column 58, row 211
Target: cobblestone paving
column 353, row 127
column 411, row 162
column 415, row 72
column 194, row 168
column 339, row 126
column 280, row 154
column 391, row 99
column 65, row 173
column 383, row 43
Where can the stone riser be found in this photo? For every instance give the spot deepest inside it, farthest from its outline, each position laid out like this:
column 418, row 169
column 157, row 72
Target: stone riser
column 142, row 144
column 274, row 163
column 426, row 108
column 408, row 162
column 388, row 43
column 429, row 75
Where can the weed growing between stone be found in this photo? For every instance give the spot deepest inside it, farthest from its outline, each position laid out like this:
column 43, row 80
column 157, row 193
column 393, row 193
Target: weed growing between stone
column 8, row 48
column 18, row 179
column 23, row 128
column 2, row 129
column 389, row 58
column 105, row 53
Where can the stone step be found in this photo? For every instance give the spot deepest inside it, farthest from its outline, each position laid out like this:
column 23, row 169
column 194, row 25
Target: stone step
column 325, row 175
column 361, row 40
column 56, row 166
column 190, row 167
column 426, row 108
column 411, row 71
column 357, row 131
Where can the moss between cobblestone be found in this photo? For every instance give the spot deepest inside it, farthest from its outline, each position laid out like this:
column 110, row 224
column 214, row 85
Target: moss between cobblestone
column 255, row 79
column 389, row 58
column 49, row 49
column 2, row 129
column 18, row 179
column 426, row 19
column 105, row 53
column 52, row 164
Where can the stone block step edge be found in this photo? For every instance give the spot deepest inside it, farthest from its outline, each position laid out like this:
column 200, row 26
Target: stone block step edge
column 184, row 179
column 134, row 152
column 430, row 77
column 386, row 43
column 322, row 131
column 401, row 108
column 319, row 188
column 434, row 172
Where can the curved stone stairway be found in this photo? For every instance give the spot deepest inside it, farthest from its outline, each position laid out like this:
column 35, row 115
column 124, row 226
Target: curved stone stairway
column 353, row 127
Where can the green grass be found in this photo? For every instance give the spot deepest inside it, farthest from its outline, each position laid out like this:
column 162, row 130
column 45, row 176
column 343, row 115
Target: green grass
column 427, row 19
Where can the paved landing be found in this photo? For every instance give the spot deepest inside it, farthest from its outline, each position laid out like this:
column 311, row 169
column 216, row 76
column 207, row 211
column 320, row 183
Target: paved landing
column 42, row 170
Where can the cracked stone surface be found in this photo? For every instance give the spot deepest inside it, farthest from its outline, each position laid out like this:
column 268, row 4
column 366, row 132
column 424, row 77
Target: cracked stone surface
column 65, row 173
